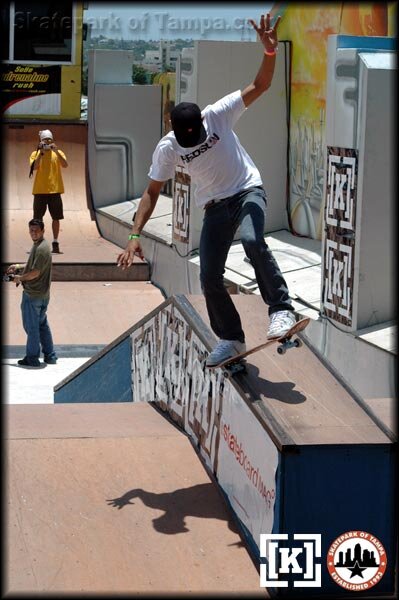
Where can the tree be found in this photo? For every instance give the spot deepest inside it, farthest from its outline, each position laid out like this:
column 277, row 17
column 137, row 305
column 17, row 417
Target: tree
column 139, row 75
column 84, row 80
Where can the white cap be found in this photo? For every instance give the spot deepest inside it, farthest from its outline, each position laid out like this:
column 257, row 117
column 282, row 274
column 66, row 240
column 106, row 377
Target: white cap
column 46, row 133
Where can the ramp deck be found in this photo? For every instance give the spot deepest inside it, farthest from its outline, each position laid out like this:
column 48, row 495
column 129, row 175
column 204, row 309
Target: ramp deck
column 295, row 396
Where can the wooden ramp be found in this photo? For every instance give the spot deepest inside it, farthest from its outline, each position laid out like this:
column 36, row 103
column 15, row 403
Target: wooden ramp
column 113, row 498
column 295, row 395
column 293, row 451
column 84, row 312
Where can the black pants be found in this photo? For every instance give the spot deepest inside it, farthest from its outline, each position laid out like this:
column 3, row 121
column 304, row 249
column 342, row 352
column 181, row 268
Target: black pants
column 247, row 210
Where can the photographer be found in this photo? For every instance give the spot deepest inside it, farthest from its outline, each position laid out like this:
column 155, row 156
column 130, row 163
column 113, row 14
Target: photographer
column 48, row 186
column 35, row 278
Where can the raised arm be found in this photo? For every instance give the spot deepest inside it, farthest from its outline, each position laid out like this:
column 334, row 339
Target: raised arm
column 63, row 161
column 268, row 36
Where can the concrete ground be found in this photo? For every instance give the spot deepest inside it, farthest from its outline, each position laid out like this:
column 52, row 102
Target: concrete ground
column 35, row 386
column 112, row 498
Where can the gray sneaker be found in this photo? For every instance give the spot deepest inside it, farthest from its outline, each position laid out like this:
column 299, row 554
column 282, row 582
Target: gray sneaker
column 280, row 322
column 223, row 350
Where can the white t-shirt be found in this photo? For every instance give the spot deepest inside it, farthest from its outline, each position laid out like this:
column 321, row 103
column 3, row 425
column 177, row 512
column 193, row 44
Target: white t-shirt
column 220, row 167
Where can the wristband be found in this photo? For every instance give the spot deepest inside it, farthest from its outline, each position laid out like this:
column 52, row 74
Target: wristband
column 270, row 52
column 133, row 236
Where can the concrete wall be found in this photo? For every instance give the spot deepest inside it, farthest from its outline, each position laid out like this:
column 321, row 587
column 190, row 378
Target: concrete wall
column 358, row 253
column 124, row 126
column 308, row 26
column 376, row 256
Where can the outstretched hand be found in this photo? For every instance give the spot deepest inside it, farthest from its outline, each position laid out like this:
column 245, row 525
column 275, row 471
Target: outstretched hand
column 125, row 259
column 267, row 33
column 119, row 502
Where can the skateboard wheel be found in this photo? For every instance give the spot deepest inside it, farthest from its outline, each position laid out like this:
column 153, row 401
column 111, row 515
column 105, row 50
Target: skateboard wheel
column 297, row 343
column 280, row 350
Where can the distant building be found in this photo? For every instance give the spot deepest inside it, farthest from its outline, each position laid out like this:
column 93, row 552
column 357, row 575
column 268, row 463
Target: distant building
column 150, row 68
column 163, row 58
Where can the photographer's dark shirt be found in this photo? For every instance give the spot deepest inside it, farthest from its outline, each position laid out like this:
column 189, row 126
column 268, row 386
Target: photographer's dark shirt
column 39, row 258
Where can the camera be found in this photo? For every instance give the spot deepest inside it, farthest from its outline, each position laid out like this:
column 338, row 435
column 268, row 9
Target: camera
column 10, row 277
column 46, row 147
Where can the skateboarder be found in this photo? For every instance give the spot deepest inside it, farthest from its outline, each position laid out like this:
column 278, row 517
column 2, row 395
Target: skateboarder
column 48, row 186
column 229, row 188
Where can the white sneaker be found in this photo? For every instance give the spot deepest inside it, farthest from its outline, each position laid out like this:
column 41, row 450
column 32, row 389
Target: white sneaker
column 223, row 350
column 280, row 322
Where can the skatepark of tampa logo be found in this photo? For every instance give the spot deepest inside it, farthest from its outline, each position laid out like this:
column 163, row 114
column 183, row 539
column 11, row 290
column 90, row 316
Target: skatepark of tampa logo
column 356, row 560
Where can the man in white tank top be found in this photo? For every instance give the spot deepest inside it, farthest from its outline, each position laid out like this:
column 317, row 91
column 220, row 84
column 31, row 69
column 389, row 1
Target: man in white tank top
column 229, row 189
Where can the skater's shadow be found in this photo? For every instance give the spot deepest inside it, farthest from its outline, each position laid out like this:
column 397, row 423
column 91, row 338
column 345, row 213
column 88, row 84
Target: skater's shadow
column 260, row 388
column 201, row 501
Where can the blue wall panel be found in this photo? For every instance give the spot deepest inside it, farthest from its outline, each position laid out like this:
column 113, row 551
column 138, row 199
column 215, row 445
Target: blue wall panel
column 366, row 43
column 334, row 489
column 108, row 379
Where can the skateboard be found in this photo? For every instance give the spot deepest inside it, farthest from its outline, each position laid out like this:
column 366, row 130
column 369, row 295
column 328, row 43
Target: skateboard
column 236, row 364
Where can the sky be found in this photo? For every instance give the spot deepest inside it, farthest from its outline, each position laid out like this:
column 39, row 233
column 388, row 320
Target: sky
column 170, row 21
